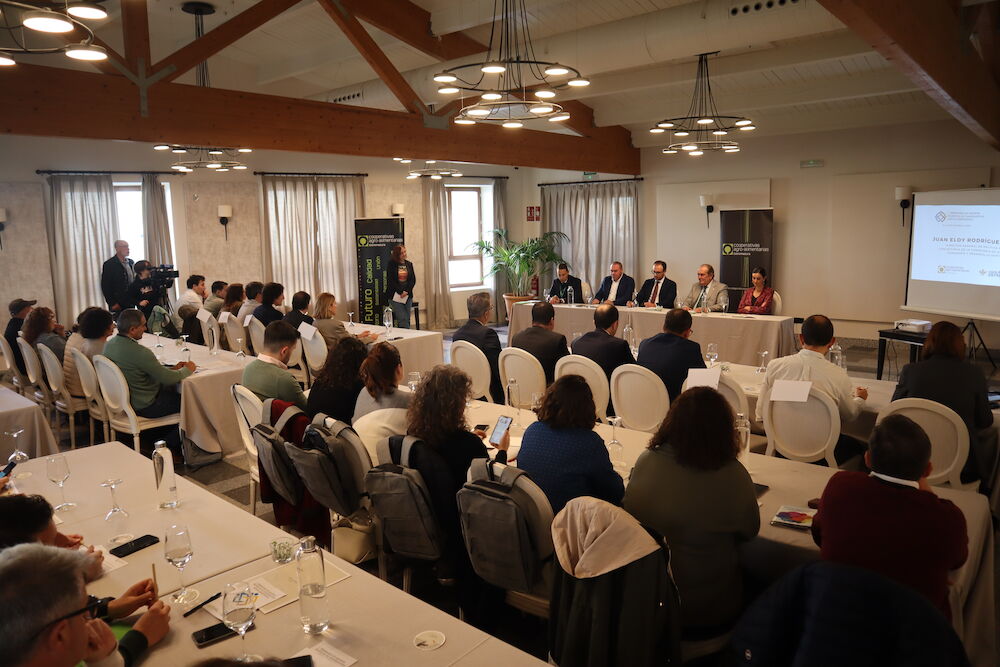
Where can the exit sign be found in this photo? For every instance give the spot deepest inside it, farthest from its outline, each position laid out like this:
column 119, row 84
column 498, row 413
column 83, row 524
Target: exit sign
column 589, row 175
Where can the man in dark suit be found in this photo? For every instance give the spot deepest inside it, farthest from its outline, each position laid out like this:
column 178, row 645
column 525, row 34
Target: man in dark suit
column 541, row 341
column 559, row 292
column 658, row 290
column 600, row 345
column 670, row 354
column 116, row 276
column 486, row 339
column 617, row 288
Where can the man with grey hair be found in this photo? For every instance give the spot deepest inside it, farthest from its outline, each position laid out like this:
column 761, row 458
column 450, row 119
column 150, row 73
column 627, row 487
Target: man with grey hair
column 705, row 294
column 116, row 276
column 45, row 614
column 486, row 339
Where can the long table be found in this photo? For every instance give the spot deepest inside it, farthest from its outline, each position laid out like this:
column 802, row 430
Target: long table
column 739, row 337
column 777, row 550
column 17, row 412
column 419, row 350
column 372, row 621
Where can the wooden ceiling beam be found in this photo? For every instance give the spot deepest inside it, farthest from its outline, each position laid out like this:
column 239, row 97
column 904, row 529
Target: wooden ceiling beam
column 375, row 57
column 135, row 31
column 106, row 108
column 218, row 38
column 924, row 39
column 411, row 23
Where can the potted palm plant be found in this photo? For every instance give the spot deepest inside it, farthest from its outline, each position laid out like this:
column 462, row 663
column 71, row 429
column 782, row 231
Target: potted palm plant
column 518, row 262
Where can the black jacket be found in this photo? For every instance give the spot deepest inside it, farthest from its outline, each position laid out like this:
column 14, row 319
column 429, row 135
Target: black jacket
column 670, row 356
column 607, row 351
column 295, row 318
column 115, row 282
column 267, row 314
column 546, row 346
column 487, row 340
column 392, row 284
column 559, row 289
column 666, row 297
column 136, row 294
column 626, row 286
column 13, row 326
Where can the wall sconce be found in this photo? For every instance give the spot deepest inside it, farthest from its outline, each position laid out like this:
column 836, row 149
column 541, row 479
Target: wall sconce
column 396, row 210
column 3, row 220
column 903, row 195
column 225, row 212
column 706, row 202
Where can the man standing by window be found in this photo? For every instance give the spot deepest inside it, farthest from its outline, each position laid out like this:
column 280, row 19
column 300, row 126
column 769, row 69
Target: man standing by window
column 116, row 276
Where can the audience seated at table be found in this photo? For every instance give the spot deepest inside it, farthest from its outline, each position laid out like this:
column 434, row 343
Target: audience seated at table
column 29, row 518
column 94, row 327
column 562, row 453
column 890, row 521
column 690, row 488
column 945, row 376
column 600, row 345
column 190, row 324
column 254, row 296
column 485, row 338
column 42, row 612
column 195, row 293
column 672, row 354
column 332, row 329
column 217, row 298
column 233, row 300
column 272, row 296
column 541, row 341
column 41, row 328
column 757, row 300
column 152, row 386
column 337, row 385
column 19, row 309
column 267, row 376
column 382, row 372
column 300, row 310
column 811, row 364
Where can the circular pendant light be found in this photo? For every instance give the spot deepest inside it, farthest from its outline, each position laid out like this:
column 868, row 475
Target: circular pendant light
column 89, row 52
column 46, row 20
column 86, row 10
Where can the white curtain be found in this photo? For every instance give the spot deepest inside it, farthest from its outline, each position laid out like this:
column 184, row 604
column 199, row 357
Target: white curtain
column 155, row 221
column 82, row 221
column 310, row 240
column 437, row 221
column 601, row 221
column 500, row 222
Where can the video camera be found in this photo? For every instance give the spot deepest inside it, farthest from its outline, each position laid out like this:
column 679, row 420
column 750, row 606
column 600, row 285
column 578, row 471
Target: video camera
column 162, row 277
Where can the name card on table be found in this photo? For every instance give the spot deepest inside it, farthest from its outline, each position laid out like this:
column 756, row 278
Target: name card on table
column 224, row 316
column 704, row 377
column 246, row 320
column 307, row 330
column 794, row 391
column 204, row 315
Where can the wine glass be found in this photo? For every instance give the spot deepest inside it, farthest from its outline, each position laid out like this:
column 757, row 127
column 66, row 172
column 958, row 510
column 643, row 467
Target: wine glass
column 239, row 607
column 615, row 450
column 350, row 318
column 536, row 401
column 762, row 367
column 240, row 354
column 184, row 345
column 413, row 381
column 178, row 552
column 58, row 472
column 158, row 343
column 158, row 347
column 724, row 301
column 19, row 456
column 116, row 513
column 679, row 303
column 711, row 354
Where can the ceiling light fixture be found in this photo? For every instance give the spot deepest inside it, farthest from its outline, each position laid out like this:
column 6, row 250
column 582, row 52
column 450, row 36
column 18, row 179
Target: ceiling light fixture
column 704, row 125
column 204, row 157
column 84, row 51
column 23, row 21
column 86, row 10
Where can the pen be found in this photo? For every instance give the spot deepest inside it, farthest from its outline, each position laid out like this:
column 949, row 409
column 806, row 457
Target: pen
column 200, row 605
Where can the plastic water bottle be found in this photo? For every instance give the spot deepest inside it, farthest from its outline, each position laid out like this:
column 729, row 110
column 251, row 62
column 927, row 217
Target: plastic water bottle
column 387, row 320
column 569, row 295
column 837, row 356
column 163, row 471
column 743, row 436
column 312, row 587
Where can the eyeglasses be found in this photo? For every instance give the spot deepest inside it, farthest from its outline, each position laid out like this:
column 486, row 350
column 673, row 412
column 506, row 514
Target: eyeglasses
column 92, row 606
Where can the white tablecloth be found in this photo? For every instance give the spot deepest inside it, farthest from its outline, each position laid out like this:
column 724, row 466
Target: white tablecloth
column 419, row 350
column 18, row 412
column 739, row 337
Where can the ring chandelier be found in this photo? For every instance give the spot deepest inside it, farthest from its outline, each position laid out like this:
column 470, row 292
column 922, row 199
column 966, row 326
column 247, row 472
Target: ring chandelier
column 215, row 159
column 22, row 22
column 428, row 171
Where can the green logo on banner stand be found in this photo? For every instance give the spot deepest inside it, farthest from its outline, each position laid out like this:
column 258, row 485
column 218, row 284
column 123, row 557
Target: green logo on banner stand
column 727, row 248
column 362, row 240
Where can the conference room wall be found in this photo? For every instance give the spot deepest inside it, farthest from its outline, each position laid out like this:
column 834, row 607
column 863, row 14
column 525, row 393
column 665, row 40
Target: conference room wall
column 838, row 239
column 25, row 247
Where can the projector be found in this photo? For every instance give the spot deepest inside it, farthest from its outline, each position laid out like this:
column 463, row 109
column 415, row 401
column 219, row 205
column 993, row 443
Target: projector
column 916, row 326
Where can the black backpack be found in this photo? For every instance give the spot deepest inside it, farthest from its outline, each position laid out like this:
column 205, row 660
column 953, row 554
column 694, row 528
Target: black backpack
column 332, row 463
column 272, row 454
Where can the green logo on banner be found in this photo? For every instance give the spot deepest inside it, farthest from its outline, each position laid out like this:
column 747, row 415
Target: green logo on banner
column 727, row 248
column 362, row 240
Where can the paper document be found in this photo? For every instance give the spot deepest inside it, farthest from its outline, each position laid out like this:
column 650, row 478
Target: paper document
column 282, row 585
column 263, row 590
column 327, row 655
column 704, row 377
column 795, row 391
column 204, row 315
column 307, row 330
column 111, row 562
column 224, row 316
column 399, row 298
column 246, row 320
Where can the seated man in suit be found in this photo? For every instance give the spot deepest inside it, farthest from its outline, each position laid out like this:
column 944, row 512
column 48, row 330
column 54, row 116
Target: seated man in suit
column 558, row 293
column 541, row 341
column 616, row 289
column 485, row 338
column 658, row 290
column 267, row 375
column 601, row 346
column 670, row 354
column 704, row 294
column 272, row 296
column 300, row 310
column 926, row 537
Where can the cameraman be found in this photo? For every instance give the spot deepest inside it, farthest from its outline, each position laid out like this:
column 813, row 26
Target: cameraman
column 141, row 294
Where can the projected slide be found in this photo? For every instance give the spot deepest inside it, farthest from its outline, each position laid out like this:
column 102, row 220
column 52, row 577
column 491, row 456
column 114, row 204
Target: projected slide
column 956, row 244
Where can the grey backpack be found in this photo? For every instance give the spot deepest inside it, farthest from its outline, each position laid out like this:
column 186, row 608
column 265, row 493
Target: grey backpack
column 273, row 456
column 402, row 503
column 332, row 463
column 507, row 527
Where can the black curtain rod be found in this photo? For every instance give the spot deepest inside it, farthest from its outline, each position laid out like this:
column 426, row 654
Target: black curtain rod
column 478, row 176
column 134, row 173
column 612, row 180
column 295, row 173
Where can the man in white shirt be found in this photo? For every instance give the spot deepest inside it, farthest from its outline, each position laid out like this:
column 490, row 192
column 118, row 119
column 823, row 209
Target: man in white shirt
column 616, row 289
column 811, row 364
column 705, row 293
column 254, row 294
column 195, row 294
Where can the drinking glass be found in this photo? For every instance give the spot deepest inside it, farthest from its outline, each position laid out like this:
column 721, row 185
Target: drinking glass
column 536, row 401
column 57, row 470
column 615, row 450
column 350, row 323
column 158, row 343
column 116, row 513
column 762, row 367
column 711, row 354
column 19, row 456
column 157, row 349
column 514, row 401
column 178, row 552
column 413, row 381
column 239, row 607
column 679, row 303
column 184, row 346
column 724, row 301
column 240, row 354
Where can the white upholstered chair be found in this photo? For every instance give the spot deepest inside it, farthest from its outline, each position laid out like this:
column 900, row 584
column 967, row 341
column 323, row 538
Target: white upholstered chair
column 314, row 350
column 776, row 304
column 471, row 359
column 575, row 364
column 639, row 397
column 35, row 389
column 248, row 412
column 523, row 367
column 948, row 434
column 62, row 401
column 92, row 391
column 121, row 417
column 236, row 331
column 806, row 431
column 256, row 330
column 16, row 376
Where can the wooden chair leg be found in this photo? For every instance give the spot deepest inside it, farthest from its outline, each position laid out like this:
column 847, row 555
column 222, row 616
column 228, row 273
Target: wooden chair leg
column 407, row 578
column 135, row 441
column 90, row 419
column 72, row 429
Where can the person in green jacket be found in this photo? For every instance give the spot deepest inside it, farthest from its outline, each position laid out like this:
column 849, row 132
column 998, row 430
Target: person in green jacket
column 267, row 375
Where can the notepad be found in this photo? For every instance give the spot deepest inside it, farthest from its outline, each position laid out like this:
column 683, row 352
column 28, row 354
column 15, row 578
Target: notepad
column 704, row 377
column 800, row 518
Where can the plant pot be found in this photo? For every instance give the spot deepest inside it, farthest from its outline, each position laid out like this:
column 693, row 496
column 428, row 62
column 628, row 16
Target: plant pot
column 510, row 299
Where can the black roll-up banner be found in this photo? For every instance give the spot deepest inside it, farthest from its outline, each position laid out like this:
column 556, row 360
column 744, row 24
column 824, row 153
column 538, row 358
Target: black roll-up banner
column 375, row 238
column 747, row 241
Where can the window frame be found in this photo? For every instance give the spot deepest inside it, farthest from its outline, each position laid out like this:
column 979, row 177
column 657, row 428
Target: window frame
column 479, row 235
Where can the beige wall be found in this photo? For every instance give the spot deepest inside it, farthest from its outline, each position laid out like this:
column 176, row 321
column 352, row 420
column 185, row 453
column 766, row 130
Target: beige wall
column 25, row 255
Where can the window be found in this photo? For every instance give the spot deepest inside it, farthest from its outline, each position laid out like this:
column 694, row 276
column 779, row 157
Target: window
column 131, row 227
column 471, row 221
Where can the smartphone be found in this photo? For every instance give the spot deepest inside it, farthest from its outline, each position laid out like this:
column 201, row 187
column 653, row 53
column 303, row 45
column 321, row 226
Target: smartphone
column 498, row 431
column 300, row 661
column 138, row 544
column 7, row 468
column 214, row 633
column 480, row 427
column 761, row 489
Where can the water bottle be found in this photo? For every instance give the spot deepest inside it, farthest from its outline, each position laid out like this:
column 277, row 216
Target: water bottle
column 837, row 356
column 163, row 471
column 569, row 295
column 743, row 436
column 387, row 320
column 312, row 587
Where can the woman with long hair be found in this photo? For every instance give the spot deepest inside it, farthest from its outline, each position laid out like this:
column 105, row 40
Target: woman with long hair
column 381, row 371
column 757, row 300
column 338, row 383
column 234, row 299
column 41, row 328
column 332, row 329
